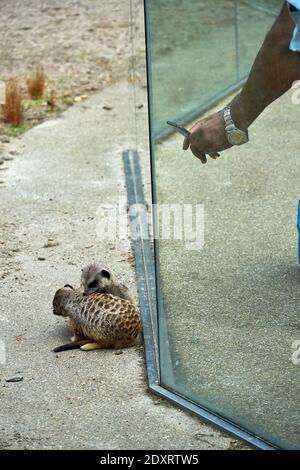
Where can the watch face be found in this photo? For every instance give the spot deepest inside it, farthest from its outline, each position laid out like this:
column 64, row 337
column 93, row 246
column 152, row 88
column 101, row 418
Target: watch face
column 237, row 137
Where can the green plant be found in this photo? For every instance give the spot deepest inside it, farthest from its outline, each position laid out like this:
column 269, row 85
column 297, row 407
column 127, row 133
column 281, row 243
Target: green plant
column 16, row 131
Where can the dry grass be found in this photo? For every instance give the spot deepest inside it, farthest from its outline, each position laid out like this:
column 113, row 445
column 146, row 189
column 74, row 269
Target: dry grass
column 12, row 111
column 36, row 83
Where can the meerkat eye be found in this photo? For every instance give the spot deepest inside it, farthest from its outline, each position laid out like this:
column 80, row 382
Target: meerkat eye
column 105, row 273
column 93, row 284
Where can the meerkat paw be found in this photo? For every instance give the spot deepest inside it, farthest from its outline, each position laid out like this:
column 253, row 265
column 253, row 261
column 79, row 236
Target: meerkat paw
column 91, row 346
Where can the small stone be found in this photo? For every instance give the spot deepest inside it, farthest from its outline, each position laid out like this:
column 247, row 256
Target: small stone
column 199, row 435
column 107, row 108
column 15, row 378
column 91, row 88
column 41, row 258
column 51, row 243
column 118, row 353
column 78, row 99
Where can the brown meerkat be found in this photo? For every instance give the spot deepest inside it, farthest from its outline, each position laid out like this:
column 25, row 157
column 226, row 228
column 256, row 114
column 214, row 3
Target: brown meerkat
column 98, row 320
column 97, row 277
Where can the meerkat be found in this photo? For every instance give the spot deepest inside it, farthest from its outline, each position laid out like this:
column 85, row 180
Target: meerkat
column 99, row 278
column 98, row 321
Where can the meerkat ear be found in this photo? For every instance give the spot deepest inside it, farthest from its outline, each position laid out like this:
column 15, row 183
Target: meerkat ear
column 68, row 285
column 105, row 273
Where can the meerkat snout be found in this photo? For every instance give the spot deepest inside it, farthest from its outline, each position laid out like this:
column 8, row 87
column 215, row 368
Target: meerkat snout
column 103, row 279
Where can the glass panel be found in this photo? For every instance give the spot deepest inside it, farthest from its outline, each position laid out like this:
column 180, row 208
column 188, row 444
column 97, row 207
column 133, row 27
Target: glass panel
column 228, row 313
column 193, row 54
column 254, row 19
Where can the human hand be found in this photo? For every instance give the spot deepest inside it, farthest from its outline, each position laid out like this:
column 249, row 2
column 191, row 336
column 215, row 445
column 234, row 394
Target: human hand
column 207, row 137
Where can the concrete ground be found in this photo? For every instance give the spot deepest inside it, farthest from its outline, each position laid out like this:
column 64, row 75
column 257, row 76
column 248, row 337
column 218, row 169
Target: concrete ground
column 54, row 179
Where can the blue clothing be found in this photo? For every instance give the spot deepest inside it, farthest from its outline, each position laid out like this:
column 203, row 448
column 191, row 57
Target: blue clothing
column 295, row 3
column 295, row 14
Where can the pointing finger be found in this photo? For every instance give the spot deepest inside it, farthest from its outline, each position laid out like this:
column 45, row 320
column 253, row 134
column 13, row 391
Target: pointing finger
column 186, row 143
column 198, row 154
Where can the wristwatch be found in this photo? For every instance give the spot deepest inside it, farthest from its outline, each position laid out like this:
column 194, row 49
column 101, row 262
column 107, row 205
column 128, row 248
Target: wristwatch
column 234, row 135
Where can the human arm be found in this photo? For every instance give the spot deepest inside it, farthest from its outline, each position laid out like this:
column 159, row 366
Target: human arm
column 273, row 73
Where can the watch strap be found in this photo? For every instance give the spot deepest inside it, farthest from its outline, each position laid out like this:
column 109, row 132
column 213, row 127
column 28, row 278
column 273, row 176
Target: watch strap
column 229, row 123
column 228, row 118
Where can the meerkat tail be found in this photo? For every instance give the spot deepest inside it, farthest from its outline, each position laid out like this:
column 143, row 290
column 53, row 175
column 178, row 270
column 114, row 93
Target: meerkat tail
column 74, row 345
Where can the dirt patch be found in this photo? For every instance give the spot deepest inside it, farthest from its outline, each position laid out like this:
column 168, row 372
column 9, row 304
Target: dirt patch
column 83, row 46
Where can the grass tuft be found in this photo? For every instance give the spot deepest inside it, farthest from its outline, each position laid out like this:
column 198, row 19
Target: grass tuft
column 36, row 83
column 12, row 110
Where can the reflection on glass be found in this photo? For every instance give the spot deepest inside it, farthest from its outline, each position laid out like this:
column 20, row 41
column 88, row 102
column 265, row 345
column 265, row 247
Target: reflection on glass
column 229, row 312
column 254, row 19
column 193, row 54
column 199, row 49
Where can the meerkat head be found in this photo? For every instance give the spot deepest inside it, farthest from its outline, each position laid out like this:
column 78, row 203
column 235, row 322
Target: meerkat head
column 97, row 278
column 59, row 300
